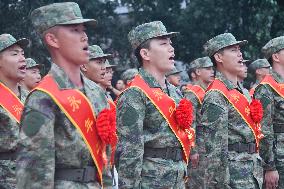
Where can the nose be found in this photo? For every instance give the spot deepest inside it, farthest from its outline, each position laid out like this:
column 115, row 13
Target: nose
column 85, row 37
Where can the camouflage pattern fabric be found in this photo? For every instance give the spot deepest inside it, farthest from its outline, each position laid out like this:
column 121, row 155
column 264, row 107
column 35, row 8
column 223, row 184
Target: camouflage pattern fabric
column 7, row 40
column 9, row 129
column 173, row 72
column 259, row 63
column 195, row 175
column 219, row 42
column 222, row 125
column 147, row 31
column 48, row 139
column 273, row 46
column 32, row 63
column 272, row 145
column 140, row 125
column 54, row 14
column 203, row 62
column 97, row 52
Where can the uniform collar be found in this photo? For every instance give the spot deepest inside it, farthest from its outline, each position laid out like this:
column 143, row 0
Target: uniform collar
column 230, row 85
column 61, row 77
column 149, row 79
column 277, row 77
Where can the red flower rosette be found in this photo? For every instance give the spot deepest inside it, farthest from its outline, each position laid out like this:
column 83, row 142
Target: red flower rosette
column 184, row 113
column 106, row 126
column 256, row 110
column 256, row 113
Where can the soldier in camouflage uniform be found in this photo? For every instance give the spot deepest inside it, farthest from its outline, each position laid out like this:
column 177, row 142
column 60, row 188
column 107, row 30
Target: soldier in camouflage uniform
column 259, row 69
column 230, row 154
column 95, row 69
column 12, row 71
column 174, row 77
column 201, row 74
column 32, row 77
column 128, row 75
column 144, row 134
column 53, row 153
column 272, row 146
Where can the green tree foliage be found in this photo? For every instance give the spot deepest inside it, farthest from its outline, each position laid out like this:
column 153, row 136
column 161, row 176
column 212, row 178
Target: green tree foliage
column 246, row 19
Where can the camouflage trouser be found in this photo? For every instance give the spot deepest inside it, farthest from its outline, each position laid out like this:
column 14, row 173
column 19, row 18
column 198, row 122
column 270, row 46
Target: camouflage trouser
column 163, row 174
column 280, row 170
column 7, row 174
column 196, row 176
column 76, row 185
column 246, row 174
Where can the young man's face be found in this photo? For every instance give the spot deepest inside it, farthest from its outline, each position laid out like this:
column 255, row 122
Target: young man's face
column 12, row 63
column 120, row 85
column 95, row 70
column 161, row 54
column 232, row 59
column 206, row 75
column 243, row 73
column 72, row 43
column 32, row 78
column 262, row 71
column 107, row 78
column 174, row 79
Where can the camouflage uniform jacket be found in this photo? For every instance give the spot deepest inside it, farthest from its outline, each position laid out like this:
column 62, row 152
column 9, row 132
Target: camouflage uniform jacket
column 221, row 126
column 9, row 129
column 196, row 109
column 49, row 140
column 140, row 125
column 272, row 145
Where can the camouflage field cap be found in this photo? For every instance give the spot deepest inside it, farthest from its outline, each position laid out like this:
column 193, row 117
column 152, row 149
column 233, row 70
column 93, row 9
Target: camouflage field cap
column 173, row 72
column 203, row 62
column 108, row 65
column 219, row 42
column 273, row 46
column 32, row 63
column 129, row 74
column 7, row 40
column 97, row 52
column 147, row 31
column 54, row 14
column 259, row 63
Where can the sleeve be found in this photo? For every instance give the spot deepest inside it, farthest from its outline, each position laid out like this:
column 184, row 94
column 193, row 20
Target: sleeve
column 196, row 108
column 36, row 159
column 130, row 116
column 214, row 135
column 265, row 95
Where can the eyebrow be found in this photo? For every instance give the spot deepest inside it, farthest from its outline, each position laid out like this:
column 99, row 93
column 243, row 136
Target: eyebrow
column 17, row 50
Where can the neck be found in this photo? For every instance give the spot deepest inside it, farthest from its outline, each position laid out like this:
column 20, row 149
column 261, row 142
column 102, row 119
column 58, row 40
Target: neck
column 103, row 86
column 278, row 68
column 159, row 76
column 232, row 77
column 12, row 85
column 71, row 69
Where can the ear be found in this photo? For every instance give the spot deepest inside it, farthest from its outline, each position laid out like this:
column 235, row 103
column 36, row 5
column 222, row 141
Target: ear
column 218, row 57
column 197, row 72
column 84, row 68
column 275, row 57
column 193, row 75
column 258, row 72
column 144, row 53
column 51, row 40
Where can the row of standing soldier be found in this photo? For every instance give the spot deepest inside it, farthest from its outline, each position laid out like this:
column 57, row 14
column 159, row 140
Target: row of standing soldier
column 65, row 134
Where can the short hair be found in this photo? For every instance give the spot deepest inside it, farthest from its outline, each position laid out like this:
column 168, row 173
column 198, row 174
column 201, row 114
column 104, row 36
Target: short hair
column 213, row 60
column 144, row 45
column 190, row 71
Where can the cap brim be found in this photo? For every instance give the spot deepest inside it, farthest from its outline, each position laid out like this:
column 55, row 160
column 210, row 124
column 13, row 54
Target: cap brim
column 36, row 66
column 170, row 34
column 91, row 22
column 111, row 66
column 23, row 43
column 103, row 56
